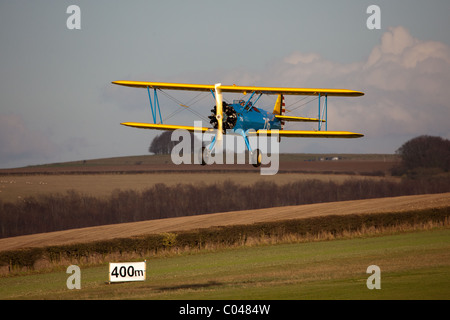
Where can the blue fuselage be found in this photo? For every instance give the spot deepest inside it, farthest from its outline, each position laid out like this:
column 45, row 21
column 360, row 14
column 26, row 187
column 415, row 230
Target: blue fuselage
column 252, row 118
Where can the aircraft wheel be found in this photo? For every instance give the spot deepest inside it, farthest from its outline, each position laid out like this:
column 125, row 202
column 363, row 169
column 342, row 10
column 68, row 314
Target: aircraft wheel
column 256, row 158
column 205, row 156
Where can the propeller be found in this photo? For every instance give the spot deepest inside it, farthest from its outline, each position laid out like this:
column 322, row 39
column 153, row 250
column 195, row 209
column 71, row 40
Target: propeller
column 219, row 116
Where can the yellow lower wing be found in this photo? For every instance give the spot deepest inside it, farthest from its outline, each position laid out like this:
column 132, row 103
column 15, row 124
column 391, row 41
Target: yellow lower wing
column 163, row 126
column 281, row 133
column 298, row 119
column 309, row 134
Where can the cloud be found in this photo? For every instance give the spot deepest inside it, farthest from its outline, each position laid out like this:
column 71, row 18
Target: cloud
column 405, row 81
column 412, row 77
column 399, row 46
column 19, row 145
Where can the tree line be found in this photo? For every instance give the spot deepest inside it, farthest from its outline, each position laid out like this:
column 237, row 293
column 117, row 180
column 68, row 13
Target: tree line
column 46, row 213
column 423, row 155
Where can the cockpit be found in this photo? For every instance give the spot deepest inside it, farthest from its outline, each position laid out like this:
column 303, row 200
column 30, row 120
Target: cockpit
column 248, row 107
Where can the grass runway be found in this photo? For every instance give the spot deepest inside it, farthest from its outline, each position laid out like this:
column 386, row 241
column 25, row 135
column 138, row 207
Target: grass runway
column 413, row 265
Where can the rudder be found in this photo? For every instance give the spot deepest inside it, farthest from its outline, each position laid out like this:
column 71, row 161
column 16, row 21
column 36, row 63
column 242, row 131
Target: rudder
column 279, row 108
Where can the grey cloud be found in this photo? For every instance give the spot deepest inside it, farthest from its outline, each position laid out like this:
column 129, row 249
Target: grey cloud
column 405, row 81
column 19, row 145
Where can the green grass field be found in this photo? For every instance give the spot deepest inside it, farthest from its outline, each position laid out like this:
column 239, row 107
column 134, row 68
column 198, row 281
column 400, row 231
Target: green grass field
column 413, row 265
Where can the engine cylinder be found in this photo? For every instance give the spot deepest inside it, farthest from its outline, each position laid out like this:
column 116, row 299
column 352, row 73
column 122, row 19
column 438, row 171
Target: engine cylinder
column 229, row 117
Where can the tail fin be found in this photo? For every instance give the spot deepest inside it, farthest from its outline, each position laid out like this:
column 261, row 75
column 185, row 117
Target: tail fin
column 279, row 108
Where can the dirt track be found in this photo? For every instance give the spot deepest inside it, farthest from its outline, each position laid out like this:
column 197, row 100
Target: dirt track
column 394, row 204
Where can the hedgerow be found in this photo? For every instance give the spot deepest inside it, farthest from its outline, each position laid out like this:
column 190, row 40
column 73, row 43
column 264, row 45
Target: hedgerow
column 224, row 236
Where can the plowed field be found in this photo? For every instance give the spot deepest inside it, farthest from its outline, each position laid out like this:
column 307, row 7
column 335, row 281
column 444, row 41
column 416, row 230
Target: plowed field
column 394, row 204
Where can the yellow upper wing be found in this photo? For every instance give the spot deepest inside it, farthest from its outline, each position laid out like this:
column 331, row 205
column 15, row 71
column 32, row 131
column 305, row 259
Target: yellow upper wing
column 240, row 89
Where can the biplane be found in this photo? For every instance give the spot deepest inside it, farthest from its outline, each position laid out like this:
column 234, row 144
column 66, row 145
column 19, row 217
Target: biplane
column 242, row 117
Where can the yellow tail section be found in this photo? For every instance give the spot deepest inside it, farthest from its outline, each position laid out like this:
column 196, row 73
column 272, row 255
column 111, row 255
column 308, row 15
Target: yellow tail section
column 279, row 108
column 279, row 105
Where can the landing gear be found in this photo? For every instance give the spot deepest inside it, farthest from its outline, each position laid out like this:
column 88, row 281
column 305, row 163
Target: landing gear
column 256, row 158
column 205, row 156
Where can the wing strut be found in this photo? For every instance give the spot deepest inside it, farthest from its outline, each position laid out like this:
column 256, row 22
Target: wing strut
column 156, row 102
column 323, row 116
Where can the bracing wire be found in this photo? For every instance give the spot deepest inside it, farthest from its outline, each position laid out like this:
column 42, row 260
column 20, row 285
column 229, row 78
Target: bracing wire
column 299, row 106
column 197, row 98
column 184, row 106
column 302, row 105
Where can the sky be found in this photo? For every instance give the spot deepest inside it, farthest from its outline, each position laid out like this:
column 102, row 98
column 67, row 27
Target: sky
column 57, row 102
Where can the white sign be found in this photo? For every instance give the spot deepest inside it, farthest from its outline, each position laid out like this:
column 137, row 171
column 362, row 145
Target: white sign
column 127, row 271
